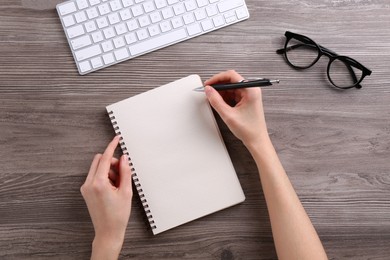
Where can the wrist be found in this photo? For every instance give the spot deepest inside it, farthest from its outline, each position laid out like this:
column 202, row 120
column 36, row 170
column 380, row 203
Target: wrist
column 106, row 248
column 259, row 144
column 262, row 151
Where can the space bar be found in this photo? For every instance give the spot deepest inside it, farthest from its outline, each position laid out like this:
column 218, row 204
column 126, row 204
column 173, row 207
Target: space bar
column 158, row 42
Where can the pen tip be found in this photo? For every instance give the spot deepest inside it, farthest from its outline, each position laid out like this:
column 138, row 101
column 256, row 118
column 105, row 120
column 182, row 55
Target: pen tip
column 199, row 89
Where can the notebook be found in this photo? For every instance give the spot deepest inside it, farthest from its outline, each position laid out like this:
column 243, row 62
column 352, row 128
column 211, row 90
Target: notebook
column 180, row 165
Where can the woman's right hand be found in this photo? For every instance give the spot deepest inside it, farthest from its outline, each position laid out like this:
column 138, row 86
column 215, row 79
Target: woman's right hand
column 241, row 109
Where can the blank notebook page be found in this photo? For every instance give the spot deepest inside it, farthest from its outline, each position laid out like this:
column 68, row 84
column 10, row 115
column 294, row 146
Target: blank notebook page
column 181, row 166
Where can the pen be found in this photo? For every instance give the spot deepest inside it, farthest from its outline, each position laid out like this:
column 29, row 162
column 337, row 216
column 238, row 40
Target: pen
column 260, row 82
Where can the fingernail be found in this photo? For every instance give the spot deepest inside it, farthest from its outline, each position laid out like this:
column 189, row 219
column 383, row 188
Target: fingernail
column 207, row 90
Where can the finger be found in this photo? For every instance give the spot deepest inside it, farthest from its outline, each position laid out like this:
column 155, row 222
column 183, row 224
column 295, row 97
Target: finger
column 115, row 163
column 125, row 176
column 226, row 76
column 93, row 167
column 114, row 178
column 217, row 102
column 105, row 161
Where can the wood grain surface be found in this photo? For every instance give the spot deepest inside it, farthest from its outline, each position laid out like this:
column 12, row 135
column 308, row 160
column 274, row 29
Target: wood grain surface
column 334, row 145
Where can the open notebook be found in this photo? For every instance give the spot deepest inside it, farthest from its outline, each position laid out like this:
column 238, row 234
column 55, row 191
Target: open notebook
column 181, row 167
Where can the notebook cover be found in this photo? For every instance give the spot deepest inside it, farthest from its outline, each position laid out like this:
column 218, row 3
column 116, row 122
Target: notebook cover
column 181, row 167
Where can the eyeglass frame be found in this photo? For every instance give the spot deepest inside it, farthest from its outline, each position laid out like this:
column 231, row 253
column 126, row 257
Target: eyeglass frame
column 330, row 54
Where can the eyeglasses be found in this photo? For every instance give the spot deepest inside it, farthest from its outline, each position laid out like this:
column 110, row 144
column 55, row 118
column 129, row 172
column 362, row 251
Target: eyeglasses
column 301, row 52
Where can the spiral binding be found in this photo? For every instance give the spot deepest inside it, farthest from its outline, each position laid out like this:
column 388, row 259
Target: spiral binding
column 133, row 172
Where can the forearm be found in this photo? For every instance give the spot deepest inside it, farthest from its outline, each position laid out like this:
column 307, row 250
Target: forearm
column 294, row 234
column 106, row 249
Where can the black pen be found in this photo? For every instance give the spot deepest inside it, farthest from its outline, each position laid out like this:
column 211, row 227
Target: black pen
column 242, row 84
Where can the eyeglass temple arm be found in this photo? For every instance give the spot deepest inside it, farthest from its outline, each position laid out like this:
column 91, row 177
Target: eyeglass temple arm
column 292, row 47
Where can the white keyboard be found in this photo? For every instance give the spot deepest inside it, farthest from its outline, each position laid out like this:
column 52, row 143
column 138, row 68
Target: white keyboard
column 102, row 33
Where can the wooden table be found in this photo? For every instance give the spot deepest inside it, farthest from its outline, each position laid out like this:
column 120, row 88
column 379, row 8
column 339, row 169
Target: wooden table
column 333, row 144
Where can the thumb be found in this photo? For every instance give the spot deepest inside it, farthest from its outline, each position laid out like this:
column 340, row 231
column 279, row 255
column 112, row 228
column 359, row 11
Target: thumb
column 125, row 175
column 217, row 102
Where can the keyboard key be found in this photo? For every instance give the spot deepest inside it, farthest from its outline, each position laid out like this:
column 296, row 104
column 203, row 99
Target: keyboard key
column 115, row 5
column 97, row 37
column 242, row 13
column 207, row 25
column 102, row 22
column 132, row 25
column 127, row 3
column 153, row 30
column 149, row 7
column 107, row 46
column 108, row 58
column 159, row 41
column 75, row 31
column 165, row 26
column 155, row 17
column 171, row 2
column 109, row 32
column 88, row 52
column 104, row 9
column 211, row 10
column 92, row 13
column 67, row 8
column 202, row 3
column 96, row 62
column 188, row 18
column 160, row 3
column 230, row 16
column 231, row 19
column 121, row 54
column 177, row 22
column 80, row 17
column 94, row 2
column 167, row 13
column 84, row 66
column 142, row 34
column 68, row 20
column 81, row 42
column 120, row 29
column 130, row 38
column 90, row 26
column 194, row 29
column 218, row 21
column 82, row 4
column 190, row 5
column 113, row 18
column 229, row 5
column 144, row 21
column 119, row 42
column 125, row 14
column 137, row 10
column 178, row 9
column 200, row 14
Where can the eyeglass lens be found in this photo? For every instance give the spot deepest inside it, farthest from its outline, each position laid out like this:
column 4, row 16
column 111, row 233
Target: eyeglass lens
column 303, row 53
column 341, row 74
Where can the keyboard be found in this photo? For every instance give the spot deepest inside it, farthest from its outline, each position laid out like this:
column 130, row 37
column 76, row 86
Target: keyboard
column 102, row 33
